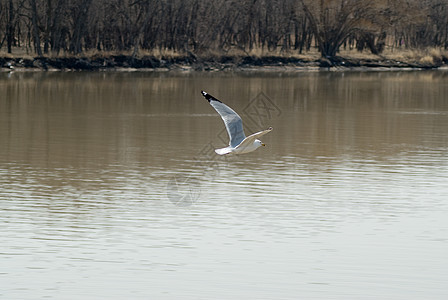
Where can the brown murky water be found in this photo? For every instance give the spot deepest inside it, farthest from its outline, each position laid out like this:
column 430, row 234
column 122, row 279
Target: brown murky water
column 109, row 187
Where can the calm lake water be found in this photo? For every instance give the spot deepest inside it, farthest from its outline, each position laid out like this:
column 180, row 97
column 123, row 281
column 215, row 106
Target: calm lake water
column 109, row 188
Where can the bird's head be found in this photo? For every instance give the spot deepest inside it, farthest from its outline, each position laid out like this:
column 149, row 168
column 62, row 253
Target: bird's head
column 259, row 143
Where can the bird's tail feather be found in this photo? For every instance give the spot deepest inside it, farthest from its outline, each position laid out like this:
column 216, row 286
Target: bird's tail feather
column 223, row 151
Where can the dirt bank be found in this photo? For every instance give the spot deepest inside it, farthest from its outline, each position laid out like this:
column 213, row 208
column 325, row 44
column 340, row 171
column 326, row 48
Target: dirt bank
column 194, row 63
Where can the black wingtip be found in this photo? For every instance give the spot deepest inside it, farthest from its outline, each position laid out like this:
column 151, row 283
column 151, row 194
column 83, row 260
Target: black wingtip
column 208, row 96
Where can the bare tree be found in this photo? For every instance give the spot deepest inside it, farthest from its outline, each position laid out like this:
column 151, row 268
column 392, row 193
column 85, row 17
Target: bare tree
column 187, row 26
column 333, row 21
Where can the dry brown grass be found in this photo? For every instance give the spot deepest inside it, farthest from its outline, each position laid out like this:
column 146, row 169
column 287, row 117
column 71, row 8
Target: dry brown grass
column 159, row 53
column 355, row 54
column 259, row 53
column 21, row 52
column 423, row 56
column 92, row 53
column 429, row 56
column 426, row 60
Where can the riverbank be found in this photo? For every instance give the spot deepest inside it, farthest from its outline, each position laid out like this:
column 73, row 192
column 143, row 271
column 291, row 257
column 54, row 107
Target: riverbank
column 192, row 62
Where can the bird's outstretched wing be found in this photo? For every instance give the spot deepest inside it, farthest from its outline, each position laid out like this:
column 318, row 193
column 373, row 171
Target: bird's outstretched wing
column 251, row 138
column 231, row 119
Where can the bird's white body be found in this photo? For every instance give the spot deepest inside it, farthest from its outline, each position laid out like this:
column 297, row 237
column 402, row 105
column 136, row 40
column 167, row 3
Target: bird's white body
column 240, row 149
column 239, row 143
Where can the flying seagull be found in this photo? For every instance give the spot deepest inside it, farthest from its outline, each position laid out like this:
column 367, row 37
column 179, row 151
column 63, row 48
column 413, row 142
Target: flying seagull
column 239, row 143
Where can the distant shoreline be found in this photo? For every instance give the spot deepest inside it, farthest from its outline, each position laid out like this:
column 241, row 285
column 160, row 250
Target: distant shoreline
column 218, row 63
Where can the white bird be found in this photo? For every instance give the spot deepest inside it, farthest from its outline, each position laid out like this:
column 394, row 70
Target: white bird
column 239, row 143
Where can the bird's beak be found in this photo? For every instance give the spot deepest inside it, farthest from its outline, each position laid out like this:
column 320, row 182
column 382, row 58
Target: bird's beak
column 263, row 145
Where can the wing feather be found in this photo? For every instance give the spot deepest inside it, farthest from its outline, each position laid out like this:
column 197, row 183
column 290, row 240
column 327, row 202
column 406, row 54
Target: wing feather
column 251, row 138
column 232, row 120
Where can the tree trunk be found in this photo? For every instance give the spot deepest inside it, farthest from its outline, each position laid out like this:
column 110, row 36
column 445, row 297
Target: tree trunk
column 10, row 27
column 80, row 26
column 48, row 26
column 36, row 36
column 55, row 32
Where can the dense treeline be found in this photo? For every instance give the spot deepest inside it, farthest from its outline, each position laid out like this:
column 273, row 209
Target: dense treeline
column 198, row 26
